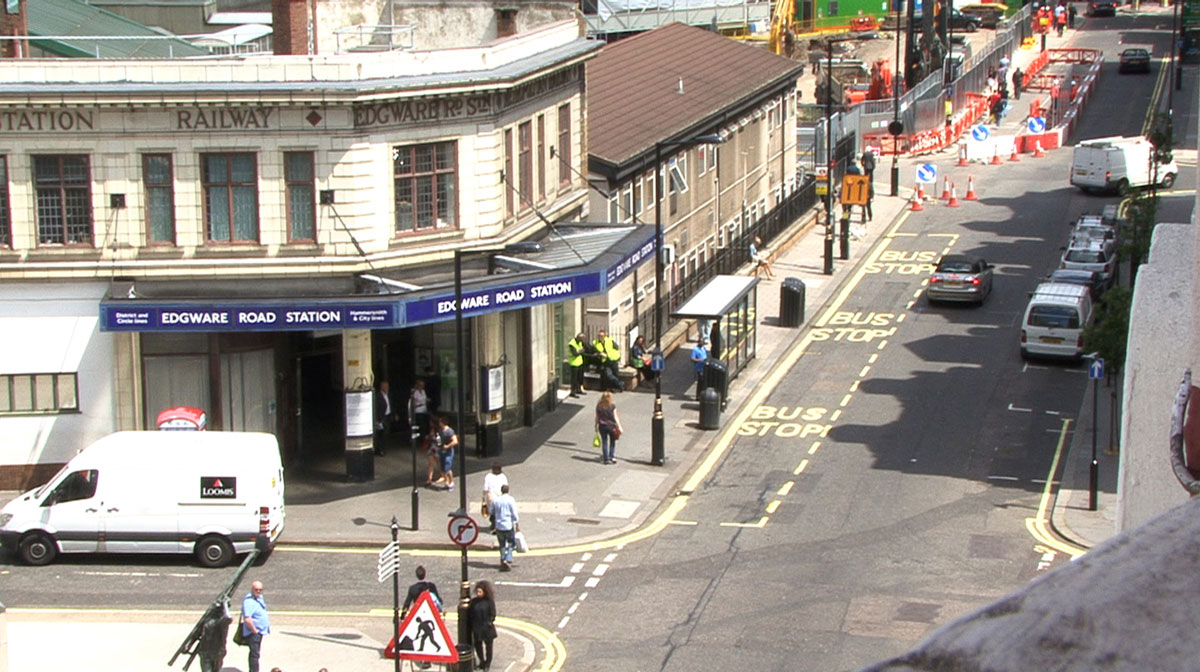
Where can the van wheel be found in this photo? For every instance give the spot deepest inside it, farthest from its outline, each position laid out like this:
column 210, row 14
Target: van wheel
column 214, row 551
column 1168, row 181
column 1123, row 188
column 37, row 549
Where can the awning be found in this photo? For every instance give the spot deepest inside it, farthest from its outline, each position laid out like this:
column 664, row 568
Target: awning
column 586, row 265
column 718, row 297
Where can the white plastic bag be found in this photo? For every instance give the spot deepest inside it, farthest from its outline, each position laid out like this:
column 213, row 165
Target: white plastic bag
column 522, row 545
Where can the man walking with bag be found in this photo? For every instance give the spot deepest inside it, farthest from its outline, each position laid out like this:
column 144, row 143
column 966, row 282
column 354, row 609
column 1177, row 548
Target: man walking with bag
column 256, row 623
column 508, row 523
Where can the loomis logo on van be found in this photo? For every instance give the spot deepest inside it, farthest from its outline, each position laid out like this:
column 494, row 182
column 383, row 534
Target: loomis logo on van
column 218, row 487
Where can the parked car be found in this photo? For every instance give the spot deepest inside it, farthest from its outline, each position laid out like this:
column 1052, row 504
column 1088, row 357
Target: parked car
column 1090, row 279
column 990, row 14
column 1091, row 255
column 1102, row 7
column 1134, row 60
column 960, row 277
column 959, row 22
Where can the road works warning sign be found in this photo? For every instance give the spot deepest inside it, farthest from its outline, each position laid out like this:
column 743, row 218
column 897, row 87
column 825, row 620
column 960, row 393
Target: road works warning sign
column 423, row 635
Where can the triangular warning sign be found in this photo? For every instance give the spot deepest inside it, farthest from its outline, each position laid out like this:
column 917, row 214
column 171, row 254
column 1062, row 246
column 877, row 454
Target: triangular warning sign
column 423, row 635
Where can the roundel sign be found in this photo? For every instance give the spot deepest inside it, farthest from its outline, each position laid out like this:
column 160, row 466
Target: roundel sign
column 980, row 132
column 1036, row 124
column 927, row 172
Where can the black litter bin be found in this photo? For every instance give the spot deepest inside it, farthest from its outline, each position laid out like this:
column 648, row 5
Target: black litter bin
column 710, row 409
column 466, row 658
column 791, row 302
column 716, row 376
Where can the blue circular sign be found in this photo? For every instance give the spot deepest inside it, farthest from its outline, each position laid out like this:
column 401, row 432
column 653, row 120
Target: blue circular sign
column 1036, row 124
column 927, row 172
column 980, row 132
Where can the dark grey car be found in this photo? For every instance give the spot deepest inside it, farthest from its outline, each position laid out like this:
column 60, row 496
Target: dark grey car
column 960, row 277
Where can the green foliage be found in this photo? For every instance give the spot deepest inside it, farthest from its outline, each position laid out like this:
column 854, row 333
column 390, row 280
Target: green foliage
column 1109, row 333
column 1140, row 213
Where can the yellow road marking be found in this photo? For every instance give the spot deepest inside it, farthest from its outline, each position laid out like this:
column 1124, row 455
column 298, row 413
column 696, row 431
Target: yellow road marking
column 762, row 522
column 787, row 487
column 812, row 450
column 771, row 508
column 1039, row 526
column 800, row 467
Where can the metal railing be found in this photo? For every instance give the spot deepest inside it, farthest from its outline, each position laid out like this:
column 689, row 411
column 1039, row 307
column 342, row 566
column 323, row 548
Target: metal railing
column 374, row 38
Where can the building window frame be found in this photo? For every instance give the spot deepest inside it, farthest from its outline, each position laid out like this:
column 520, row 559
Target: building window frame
column 541, row 158
column 427, row 173
column 39, row 393
column 64, row 199
column 159, row 185
column 525, row 163
column 510, row 209
column 229, row 181
column 564, row 146
column 300, row 196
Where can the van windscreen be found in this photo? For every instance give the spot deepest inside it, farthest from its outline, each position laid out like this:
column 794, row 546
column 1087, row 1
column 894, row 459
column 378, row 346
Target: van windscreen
column 1053, row 317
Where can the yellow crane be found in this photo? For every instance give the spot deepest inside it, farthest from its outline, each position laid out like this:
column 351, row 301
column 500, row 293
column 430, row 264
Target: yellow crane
column 781, row 25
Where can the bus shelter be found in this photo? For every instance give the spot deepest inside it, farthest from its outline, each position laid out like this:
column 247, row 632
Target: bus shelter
column 727, row 311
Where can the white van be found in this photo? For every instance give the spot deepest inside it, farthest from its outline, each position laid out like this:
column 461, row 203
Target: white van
column 1118, row 164
column 214, row 494
column 1054, row 321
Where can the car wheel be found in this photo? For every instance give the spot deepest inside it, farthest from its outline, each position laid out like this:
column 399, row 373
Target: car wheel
column 214, row 551
column 1168, row 181
column 37, row 549
column 971, row 27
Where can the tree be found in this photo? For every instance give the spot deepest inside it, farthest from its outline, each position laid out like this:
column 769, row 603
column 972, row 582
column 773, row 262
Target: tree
column 1108, row 334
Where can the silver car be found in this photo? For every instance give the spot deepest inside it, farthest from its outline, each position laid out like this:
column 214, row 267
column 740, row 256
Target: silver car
column 960, row 277
column 1092, row 255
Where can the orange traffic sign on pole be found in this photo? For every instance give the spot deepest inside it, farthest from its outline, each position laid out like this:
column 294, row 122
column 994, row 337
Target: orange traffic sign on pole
column 856, row 189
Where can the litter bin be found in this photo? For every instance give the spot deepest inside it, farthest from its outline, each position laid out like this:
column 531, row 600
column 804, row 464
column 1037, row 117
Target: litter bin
column 716, row 376
column 791, row 302
column 710, row 409
column 489, row 440
column 466, row 658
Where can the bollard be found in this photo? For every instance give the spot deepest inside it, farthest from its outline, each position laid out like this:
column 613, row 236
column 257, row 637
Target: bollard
column 466, row 658
column 710, row 409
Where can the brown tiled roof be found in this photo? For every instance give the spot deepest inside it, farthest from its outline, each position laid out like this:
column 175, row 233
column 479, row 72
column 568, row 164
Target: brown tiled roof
column 633, row 84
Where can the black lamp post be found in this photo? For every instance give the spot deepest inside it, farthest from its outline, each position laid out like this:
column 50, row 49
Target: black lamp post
column 657, row 423
column 464, row 592
column 829, row 162
column 895, row 128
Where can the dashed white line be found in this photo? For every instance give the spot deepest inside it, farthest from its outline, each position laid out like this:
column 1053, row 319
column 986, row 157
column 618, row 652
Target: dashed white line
column 1018, row 409
column 592, row 582
column 600, row 569
column 576, row 568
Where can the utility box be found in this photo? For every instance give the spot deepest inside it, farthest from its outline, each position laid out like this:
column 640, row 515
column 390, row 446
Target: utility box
column 791, row 302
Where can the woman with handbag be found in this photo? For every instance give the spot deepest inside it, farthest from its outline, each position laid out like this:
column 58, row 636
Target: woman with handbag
column 482, row 615
column 608, row 428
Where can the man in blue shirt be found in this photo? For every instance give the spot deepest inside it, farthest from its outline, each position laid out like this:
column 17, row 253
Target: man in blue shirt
column 699, row 356
column 255, row 621
column 508, row 523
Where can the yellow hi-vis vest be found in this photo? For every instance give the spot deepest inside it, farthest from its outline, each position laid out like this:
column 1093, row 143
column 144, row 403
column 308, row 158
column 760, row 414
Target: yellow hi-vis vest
column 609, row 347
column 576, row 349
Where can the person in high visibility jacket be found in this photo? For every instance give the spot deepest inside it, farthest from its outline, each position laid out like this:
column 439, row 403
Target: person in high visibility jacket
column 575, row 361
column 609, row 369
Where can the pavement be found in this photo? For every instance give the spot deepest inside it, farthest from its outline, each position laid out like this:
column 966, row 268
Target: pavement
column 567, row 498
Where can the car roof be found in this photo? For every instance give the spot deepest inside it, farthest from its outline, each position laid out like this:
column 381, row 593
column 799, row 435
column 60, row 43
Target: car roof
column 959, row 259
column 1135, row 50
column 1085, row 243
column 1067, row 274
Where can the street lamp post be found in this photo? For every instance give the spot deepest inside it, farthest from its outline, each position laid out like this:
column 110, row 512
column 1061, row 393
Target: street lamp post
column 657, row 423
column 464, row 589
column 895, row 128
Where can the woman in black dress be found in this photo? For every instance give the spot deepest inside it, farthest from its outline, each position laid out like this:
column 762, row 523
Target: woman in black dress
column 482, row 614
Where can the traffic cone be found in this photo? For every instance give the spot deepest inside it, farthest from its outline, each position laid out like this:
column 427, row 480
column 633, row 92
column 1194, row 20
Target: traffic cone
column 1037, row 149
column 1015, row 156
column 917, row 205
column 946, row 188
column 953, row 202
column 962, row 156
column 920, row 192
column 996, row 157
column 971, row 189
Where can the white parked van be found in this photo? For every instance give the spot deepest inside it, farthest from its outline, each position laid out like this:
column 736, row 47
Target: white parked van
column 1118, row 164
column 214, row 494
column 1054, row 321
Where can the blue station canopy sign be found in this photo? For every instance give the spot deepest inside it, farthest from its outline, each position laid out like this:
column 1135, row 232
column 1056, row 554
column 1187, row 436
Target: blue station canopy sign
column 630, row 262
column 504, row 297
column 247, row 317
